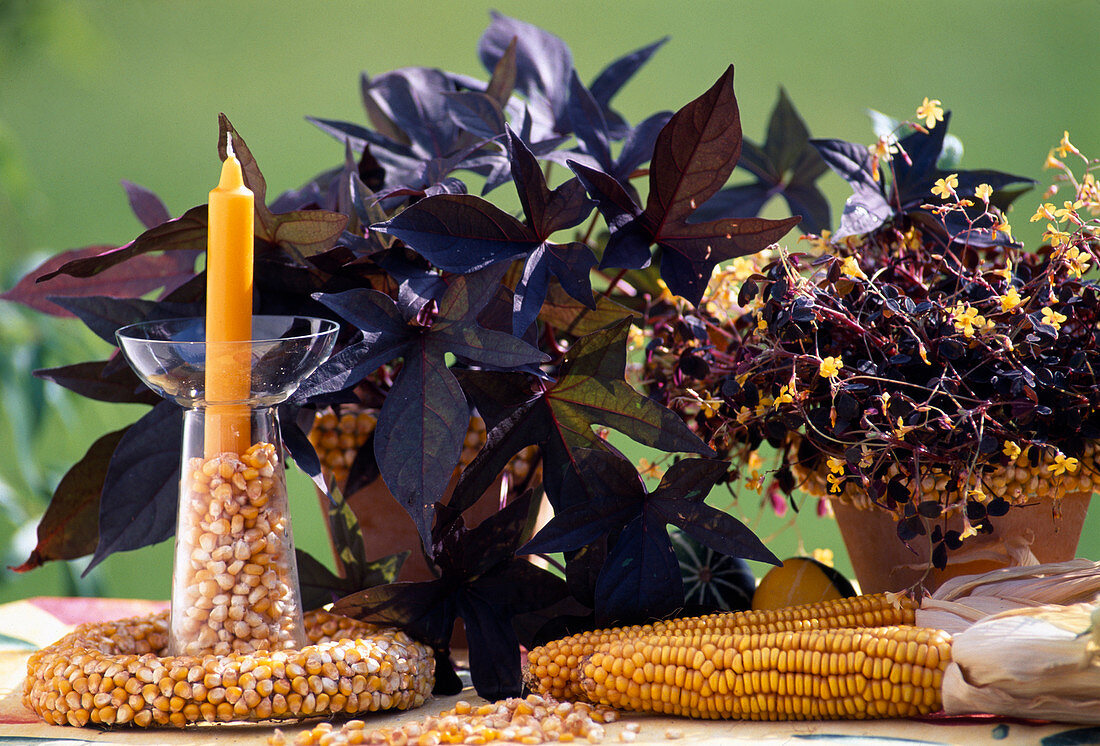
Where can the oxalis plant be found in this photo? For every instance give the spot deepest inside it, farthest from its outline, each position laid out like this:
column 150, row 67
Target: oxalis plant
column 450, row 304
column 918, row 360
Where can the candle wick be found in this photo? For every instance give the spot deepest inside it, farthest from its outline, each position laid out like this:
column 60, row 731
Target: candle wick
column 229, row 153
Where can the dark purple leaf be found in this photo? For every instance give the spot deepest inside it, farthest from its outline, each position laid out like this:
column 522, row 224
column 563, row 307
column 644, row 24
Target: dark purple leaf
column 460, row 233
column 744, row 200
column 414, row 99
column 424, row 610
column 138, row 505
column 298, row 445
column 566, row 314
column 378, row 118
column 419, row 435
column 102, row 381
column 810, row 203
column 395, row 157
column 547, row 211
column 867, row 208
column 616, row 205
column 589, row 125
column 543, row 64
column 638, row 144
column 612, row 78
column 570, row 263
column 385, row 338
column 69, row 528
column 105, row 315
column 590, row 390
column 640, row 580
column 692, row 250
column 146, row 206
column 477, row 113
column 494, row 647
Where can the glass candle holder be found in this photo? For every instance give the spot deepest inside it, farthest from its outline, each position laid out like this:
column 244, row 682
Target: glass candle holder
column 234, row 578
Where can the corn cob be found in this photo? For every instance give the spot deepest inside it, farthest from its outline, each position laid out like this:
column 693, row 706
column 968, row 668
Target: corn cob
column 805, row 675
column 553, row 668
column 116, row 672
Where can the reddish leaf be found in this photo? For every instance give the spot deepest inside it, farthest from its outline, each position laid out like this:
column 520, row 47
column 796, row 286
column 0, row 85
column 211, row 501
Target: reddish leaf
column 69, row 529
column 141, row 275
column 695, row 153
column 185, row 232
column 303, row 232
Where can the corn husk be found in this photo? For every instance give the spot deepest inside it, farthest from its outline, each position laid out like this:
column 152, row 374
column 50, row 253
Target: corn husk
column 1039, row 662
column 962, row 601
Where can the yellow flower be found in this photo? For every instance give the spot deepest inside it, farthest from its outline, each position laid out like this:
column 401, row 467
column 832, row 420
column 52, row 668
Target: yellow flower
column 866, row 459
column 1053, row 318
column 851, row 268
column 1012, row 450
column 882, row 151
column 983, row 192
column 1068, row 211
column 1011, row 299
column 968, row 530
column 836, row 465
column 784, row 396
column 761, row 324
column 824, row 556
column 945, row 187
column 1055, row 236
column 930, row 111
column 754, row 461
column 1052, row 162
column 976, row 495
column 1077, row 260
column 1001, row 226
column 836, row 483
column 1045, row 212
column 830, row 367
column 1062, row 464
column 744, row 415
column 1065, row 147
column 967, row 319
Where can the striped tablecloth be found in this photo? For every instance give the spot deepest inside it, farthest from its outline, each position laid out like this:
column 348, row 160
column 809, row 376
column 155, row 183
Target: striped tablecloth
column 28, row 624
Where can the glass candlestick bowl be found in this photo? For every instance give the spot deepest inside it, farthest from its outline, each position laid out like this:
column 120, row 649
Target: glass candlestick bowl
column 234, row 578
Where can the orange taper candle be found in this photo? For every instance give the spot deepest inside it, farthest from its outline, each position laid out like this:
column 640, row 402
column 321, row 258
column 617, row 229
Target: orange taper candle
column 230, row 232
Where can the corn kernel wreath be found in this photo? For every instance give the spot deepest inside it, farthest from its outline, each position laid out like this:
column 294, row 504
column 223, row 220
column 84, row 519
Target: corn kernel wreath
column 113, row 673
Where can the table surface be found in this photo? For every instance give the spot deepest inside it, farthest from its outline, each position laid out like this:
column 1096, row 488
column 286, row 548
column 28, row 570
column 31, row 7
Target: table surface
column 31, row 623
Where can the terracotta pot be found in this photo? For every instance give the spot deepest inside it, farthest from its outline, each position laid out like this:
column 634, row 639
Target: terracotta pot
column 1026, row 535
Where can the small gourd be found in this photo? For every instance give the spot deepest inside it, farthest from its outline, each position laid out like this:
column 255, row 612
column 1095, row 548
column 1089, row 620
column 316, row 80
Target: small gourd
column 712, row 581
column 800, row 580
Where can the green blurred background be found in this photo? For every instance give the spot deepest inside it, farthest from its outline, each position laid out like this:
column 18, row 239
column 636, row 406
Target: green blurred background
column 93, row 92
